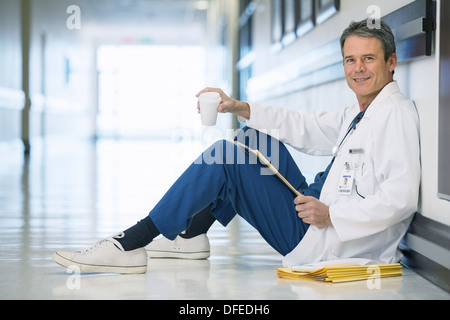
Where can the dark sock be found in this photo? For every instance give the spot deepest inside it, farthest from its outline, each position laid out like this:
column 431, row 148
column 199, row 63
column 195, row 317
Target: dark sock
column 139, row 235
column 200, row 223
column 145, row 230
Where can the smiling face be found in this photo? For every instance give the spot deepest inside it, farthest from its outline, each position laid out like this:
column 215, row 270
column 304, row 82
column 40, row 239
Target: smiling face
column 366, row 70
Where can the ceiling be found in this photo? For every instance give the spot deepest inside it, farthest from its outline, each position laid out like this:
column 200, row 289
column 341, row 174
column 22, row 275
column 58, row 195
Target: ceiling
column 161, row 19
column 163, row 12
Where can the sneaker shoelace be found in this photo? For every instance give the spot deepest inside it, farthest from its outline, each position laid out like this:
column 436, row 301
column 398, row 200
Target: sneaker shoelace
column 101, row 244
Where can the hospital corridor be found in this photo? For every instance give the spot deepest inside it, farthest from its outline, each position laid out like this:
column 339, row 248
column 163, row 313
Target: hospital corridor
column 98, row 119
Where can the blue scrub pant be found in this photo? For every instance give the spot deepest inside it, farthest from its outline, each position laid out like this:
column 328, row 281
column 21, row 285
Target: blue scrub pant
column 234, row 182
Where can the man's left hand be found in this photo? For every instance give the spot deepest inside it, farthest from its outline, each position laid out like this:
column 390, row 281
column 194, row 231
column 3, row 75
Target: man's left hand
column 312, row 211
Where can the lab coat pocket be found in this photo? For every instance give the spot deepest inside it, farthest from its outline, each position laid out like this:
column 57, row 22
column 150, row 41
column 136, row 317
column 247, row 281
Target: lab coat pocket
column 364, row 179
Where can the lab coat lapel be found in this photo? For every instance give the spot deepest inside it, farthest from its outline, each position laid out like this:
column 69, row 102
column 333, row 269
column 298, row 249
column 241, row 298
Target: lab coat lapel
column 387, row 92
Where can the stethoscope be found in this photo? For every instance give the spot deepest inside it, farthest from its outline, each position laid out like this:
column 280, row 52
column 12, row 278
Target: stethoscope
column 351, row 128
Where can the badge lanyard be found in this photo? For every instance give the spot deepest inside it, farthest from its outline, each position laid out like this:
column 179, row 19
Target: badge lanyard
column 352, row 127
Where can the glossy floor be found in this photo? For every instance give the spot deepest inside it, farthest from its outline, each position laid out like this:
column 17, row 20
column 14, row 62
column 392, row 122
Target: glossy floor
column 69, row 194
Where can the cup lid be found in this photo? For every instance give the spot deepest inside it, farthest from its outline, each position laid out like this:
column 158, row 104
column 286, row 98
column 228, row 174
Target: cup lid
column 210, row 96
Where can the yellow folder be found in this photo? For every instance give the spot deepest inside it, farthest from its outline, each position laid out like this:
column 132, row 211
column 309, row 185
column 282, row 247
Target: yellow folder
column 337, row 273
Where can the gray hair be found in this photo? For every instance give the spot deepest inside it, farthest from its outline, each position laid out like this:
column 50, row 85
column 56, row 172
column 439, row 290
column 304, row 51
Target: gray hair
column 363, row 29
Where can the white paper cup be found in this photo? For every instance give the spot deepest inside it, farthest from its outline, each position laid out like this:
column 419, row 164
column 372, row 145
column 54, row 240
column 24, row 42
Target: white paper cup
column 209, row 102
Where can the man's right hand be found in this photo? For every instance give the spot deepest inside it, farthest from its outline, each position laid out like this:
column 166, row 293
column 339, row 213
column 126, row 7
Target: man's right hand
column 227, row 104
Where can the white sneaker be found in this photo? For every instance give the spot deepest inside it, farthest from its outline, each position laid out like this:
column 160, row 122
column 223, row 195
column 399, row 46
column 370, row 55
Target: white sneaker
column 107, row 256
column 196, row 248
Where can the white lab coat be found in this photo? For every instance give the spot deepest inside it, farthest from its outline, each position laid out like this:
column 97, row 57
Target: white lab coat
column 386, row 173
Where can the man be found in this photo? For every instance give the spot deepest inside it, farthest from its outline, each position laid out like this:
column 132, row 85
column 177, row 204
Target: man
column 375, row 145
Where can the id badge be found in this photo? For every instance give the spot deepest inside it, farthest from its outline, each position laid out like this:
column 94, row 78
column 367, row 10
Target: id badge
column 346, row 182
